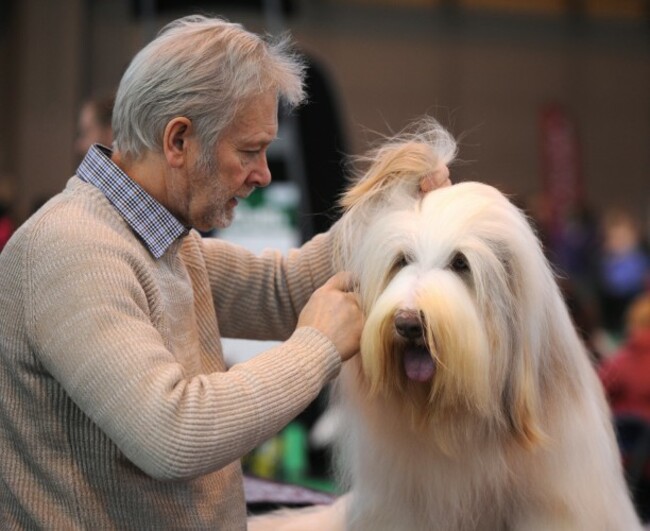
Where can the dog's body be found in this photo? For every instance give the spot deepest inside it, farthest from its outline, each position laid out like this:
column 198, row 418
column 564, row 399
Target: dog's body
column 473, row 404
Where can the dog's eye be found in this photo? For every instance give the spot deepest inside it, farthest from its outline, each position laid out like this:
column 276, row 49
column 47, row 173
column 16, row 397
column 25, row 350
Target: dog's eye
column 459, row 263
column 401, row 262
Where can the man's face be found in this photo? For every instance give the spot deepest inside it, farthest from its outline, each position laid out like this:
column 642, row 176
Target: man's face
column 237, row 167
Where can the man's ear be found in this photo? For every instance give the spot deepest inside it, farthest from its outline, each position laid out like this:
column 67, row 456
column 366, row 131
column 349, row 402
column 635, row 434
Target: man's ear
column 176, row 140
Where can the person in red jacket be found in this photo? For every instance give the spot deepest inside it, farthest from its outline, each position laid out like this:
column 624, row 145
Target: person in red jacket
column 626, row 374
column 6, row 225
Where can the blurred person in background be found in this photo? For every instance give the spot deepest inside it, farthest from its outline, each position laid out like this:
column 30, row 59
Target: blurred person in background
column 622, row 269
column 626, row 373
column 7, row 225
column 94, row 124
column 626, row 379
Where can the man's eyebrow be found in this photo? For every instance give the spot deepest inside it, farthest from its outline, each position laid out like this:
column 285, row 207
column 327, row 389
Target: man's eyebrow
column 260, row 138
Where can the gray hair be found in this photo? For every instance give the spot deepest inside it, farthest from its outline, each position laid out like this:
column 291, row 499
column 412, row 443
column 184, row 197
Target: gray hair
column 201, row 68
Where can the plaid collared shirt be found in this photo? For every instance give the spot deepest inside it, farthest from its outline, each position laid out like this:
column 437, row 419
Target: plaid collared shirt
column 157, row 227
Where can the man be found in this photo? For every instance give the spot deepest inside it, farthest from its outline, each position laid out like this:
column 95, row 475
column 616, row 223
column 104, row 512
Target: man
column 94, row 124
column 118, row 411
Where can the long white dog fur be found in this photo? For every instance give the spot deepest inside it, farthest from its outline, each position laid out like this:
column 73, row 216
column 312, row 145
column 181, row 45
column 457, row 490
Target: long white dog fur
column 473, row 404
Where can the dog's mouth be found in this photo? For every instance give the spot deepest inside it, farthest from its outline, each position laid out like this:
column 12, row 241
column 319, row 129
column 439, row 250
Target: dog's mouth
column 419, row 366
column 418, row 363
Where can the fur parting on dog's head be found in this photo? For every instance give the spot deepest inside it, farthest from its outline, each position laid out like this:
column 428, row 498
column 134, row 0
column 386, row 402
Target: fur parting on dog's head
column 458, row 298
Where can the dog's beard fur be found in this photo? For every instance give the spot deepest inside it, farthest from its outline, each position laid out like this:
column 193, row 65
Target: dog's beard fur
column 473, row 404
column 459, row 358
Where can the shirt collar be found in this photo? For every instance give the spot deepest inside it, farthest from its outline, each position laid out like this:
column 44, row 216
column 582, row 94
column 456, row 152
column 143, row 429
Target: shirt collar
column 150, row 220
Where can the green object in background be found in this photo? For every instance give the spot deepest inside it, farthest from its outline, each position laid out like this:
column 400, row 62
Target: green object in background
column 285, row 458
column 294, row 455
column 256, row 198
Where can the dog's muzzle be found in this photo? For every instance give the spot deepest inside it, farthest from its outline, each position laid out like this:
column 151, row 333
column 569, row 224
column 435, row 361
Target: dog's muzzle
column 418, row 363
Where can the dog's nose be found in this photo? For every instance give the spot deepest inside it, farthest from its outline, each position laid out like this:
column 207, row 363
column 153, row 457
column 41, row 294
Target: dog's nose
column 408, row 324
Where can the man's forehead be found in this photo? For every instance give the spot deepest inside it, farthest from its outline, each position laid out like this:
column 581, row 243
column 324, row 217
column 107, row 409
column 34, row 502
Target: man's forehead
column 256, row 122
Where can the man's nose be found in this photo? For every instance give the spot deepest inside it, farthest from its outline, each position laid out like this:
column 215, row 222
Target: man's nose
column 261, row 175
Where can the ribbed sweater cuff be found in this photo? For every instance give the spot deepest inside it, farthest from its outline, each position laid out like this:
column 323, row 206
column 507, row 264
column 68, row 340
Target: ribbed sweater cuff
column 288, row 377
column 307, row 356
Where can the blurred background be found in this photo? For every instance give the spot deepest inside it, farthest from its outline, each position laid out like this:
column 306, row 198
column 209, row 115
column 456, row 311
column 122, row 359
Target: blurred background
column 550, row 101
column 539, row 89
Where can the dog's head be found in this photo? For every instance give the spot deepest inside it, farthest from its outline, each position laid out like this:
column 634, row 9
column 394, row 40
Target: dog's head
column 456, row 291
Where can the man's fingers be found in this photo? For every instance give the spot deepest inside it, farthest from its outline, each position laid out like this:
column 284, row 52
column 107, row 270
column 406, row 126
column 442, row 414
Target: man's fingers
column 437, row 179
column 342, row 281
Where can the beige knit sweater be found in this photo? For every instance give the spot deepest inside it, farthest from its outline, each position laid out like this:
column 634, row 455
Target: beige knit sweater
column 116, row 409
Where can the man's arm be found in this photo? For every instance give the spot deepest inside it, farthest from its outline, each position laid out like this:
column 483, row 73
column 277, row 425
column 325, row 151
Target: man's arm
column 261, row 297
column 94, row 314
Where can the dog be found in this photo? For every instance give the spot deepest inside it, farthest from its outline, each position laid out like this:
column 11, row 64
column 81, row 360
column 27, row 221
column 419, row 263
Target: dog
column 473, row 405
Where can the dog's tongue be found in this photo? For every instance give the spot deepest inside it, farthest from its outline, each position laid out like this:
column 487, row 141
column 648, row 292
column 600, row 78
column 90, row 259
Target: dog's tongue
column 418, row 364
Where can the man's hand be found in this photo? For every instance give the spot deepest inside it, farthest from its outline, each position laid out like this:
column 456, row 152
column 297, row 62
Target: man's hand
column 334, row 310
column 436, row 179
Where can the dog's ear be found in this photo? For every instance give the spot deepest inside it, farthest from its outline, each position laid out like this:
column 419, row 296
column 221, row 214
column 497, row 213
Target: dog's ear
column 524, row 294
column 532, row 293
column 522, row 402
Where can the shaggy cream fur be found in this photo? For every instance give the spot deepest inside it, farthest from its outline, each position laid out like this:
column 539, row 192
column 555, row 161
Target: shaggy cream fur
column 473, row 405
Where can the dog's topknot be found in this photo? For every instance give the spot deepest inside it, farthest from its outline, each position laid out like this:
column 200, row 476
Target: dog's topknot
column 402, row 160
